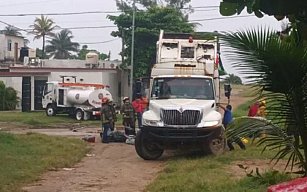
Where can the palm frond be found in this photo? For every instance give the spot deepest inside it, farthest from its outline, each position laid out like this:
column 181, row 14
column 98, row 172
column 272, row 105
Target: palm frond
column 276, row 138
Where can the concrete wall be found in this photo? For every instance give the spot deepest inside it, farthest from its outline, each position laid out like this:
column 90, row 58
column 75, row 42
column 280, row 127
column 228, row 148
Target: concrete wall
column 75, row 63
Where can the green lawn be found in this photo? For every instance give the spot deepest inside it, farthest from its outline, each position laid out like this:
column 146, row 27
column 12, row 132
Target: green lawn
column 212, row 173
column 23, row 158
column 40, row 119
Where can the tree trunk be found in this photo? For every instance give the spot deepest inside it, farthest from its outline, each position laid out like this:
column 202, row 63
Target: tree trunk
column 43, row 50
column 304, row 143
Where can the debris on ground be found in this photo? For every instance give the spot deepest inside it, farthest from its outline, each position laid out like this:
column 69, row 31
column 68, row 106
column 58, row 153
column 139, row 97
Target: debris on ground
column 89, row 138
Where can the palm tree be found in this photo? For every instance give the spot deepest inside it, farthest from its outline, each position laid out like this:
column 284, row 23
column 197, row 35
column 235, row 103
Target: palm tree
column 10, row 30
column 43, row 27
column 61, row 45
column 279, row 68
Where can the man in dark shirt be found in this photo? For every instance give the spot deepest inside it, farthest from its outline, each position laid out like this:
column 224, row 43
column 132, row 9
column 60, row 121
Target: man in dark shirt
column 226, row 120
column 106, row 118
column 128, row 117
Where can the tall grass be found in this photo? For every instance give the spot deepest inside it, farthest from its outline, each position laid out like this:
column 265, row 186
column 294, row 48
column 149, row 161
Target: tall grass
column 24, row 157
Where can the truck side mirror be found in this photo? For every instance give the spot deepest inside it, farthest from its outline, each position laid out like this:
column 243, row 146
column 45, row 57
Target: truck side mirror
column 227, row 90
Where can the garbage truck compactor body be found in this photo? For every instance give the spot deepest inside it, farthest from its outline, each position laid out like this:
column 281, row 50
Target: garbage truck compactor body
column 184, row 92
column 82, row 101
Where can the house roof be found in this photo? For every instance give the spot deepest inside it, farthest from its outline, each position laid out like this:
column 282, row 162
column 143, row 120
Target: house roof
column 22, row 74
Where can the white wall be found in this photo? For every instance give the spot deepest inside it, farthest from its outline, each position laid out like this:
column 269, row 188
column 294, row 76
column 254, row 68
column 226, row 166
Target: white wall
column 14, row 39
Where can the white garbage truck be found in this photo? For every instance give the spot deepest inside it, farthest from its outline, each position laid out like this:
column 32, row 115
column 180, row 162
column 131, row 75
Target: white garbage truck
column 183, row 96
column 81, row 100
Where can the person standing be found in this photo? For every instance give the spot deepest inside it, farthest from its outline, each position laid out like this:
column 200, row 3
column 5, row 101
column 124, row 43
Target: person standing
column 138, row 108
column 226, row 120
column 128, row 116
column 114, row 119
column 106, row 119
column 253, row 109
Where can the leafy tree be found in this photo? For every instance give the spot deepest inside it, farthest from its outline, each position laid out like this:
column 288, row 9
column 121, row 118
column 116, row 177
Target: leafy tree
column 279, row 68
column 43, row 27
column 177, row 4
column 10, row 30
column 61, row 45
column 148, row 24
column 8, row 97
column 233, row 79
column 294, row 10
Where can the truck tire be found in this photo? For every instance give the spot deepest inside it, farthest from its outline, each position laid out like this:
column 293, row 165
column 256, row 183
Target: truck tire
column 50, row 111
column 79, row 114
column 215, row 146
column 145, row 148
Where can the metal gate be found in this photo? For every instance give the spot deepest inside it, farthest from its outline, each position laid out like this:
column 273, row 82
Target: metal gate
column 38, row 93
column 26, row 94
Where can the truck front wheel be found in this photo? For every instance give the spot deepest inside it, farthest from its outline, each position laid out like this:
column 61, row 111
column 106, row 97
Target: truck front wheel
column 215, row 146
column 50, row 110
column 146, row 148
column 79, row 114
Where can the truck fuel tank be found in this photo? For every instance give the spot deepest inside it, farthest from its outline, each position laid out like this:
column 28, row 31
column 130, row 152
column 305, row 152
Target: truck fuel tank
column 87, row 96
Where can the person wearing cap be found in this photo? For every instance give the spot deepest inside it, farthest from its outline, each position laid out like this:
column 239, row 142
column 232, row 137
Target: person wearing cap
column 128, row 116
column 106, row 119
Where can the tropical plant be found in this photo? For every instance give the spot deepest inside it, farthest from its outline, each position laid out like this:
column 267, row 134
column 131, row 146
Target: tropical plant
column 61, row 45
column 8, row 97
column 147, row 28
column 294, row 10
column 43, row 27
column 279, row 69
column 233, row 79
column 10, row 30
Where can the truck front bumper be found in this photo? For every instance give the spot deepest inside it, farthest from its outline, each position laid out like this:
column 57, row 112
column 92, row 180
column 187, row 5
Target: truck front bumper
column 175, row 134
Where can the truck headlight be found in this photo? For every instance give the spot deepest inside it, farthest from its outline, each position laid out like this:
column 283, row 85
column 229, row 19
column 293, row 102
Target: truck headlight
column 151, row 122
column 210, row 123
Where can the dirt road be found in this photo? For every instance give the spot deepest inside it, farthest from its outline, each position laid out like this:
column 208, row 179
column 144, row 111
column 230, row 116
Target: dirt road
column 109, row 167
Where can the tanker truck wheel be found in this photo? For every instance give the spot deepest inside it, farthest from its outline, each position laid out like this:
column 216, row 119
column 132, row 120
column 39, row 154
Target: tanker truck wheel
column 145, row 148
column 50, row 110
column 79, row 114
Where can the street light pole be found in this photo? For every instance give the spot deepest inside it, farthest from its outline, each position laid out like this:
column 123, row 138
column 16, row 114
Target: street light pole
column 132, row 51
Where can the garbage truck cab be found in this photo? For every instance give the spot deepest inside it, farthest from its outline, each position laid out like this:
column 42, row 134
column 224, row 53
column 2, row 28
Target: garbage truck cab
column 183, row 97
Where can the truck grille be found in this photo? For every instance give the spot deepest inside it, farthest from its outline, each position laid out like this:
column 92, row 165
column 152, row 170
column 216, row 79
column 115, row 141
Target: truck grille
column 187, row 117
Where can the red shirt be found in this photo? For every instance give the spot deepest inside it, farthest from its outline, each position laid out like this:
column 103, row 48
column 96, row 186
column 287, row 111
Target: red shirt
column 253, row 110
column 138, row 105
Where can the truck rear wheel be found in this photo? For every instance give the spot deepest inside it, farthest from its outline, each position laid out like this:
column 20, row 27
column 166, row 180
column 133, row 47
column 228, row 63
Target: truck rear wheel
column 79, row 114
column 146, row 148
column 50, row 111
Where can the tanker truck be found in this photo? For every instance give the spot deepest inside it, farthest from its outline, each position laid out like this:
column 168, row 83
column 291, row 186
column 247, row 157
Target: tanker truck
column 183, row 96
column 81, row 100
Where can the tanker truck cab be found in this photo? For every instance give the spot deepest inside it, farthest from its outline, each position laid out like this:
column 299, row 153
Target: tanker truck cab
column 183, row 97
column 83, row 101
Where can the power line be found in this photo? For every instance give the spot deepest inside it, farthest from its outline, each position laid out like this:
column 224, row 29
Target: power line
column 101, row 42
column 90, row 12
column 54, row 14
column 90, row 27
column 219, row 18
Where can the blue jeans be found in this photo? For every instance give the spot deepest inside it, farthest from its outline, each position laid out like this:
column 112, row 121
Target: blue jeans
column 139, row 117
column 105, row 128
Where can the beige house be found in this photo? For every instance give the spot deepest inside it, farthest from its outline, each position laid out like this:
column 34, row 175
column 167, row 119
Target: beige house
column 10, row 47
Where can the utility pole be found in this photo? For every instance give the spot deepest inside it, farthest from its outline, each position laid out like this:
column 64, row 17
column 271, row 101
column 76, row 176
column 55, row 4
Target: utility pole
column 132, row 51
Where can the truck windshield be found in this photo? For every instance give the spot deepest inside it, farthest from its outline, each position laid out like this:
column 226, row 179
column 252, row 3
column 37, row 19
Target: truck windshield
column 48, row 88
column 182, row 88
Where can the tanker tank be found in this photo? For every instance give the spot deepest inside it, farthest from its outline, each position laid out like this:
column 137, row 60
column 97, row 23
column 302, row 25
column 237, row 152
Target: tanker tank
column 87, row 96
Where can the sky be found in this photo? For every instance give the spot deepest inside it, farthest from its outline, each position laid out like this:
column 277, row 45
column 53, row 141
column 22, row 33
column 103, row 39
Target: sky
column 100, row 38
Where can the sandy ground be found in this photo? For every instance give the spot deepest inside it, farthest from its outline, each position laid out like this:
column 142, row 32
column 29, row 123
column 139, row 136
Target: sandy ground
column 109, row 167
